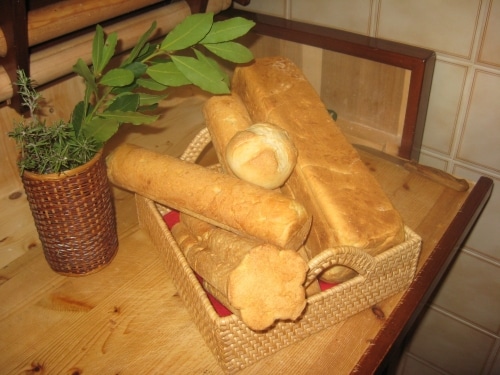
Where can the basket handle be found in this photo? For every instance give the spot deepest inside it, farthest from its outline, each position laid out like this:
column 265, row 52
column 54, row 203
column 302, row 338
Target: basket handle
column 348, row 256
column 196, row 146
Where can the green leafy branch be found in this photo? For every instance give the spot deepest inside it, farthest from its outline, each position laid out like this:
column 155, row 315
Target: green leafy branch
column 116, row 96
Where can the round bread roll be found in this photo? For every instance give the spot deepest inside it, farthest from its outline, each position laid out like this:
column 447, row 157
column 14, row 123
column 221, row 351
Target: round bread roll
column 262, row 154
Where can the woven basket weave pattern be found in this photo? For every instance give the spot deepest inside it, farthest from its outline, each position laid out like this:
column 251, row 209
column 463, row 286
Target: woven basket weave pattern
column 236, row 346
column 74, row 217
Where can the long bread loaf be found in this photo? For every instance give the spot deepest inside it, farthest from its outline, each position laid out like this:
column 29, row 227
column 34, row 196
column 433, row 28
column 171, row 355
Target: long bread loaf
column 216, row 238
column 259, row 153
column 259, row 282
column 348, row 205
column 220, row 199
column 225, row 115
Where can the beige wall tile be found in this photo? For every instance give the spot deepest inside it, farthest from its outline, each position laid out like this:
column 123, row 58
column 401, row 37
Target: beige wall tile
column 447, row 26
column 274, row 8
column 450, row 345
column 365, row 92
column 472, row 291
column 489, row 51
column 433, row 161
column 480, row 141
column 444, row 105
column 495, row 369
column 312, row 58
column 412, row 366
column 485, row 236
column 351, row 15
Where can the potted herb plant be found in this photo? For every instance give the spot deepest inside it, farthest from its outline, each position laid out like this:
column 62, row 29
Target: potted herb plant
column 61, row 163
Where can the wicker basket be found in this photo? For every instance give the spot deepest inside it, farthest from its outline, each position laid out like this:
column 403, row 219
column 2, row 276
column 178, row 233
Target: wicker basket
column 74, row 217
column 236, row 346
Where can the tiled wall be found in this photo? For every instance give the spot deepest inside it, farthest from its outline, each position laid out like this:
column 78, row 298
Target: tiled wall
column 460, row 331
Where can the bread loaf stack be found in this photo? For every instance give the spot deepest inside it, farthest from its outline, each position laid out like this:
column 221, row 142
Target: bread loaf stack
column 348, row 205
column 292, row 186
column 257, row 281
column 239, row 237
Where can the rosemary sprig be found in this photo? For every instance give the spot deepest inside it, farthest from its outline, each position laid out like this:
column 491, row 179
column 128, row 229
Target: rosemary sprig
column 47, row 148
column 29, row 96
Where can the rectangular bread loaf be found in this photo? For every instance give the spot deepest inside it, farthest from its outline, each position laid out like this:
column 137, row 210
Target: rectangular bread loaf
column 348, row 205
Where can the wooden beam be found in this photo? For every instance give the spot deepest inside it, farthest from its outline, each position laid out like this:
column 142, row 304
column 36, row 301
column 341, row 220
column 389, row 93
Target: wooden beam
column 14, row 53
column 56, row 61
column 197, row 6
column 49, row 61
column 64, row 17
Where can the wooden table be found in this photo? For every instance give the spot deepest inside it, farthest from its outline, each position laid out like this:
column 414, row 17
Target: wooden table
column 128, row 318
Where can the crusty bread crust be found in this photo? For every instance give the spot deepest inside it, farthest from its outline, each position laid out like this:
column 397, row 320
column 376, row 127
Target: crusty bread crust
column 256, row 281
column 225, row 115
column 262, row 154
column 347, row 203
column 217, row 198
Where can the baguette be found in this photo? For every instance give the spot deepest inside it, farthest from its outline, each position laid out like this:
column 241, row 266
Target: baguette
column 347, row 203
column 258, row 153
column 214, row 266
column 220, row 199
column 259, row 282
column 268, row 286
column 216, row 238
column 222, row 298
column 225, row 115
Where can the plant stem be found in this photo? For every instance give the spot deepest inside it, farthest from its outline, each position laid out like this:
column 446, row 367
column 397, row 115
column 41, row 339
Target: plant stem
column 99, row 102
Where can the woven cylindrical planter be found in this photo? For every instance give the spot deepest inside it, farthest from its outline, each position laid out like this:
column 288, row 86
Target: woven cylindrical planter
column 74, row 217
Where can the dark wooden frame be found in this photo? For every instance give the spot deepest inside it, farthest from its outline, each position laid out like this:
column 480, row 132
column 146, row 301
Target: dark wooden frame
column 14, row 23
column 420, row 62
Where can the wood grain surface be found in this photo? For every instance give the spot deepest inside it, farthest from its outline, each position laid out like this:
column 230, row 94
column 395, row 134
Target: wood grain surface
column 128, row 318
